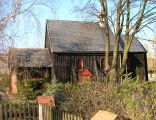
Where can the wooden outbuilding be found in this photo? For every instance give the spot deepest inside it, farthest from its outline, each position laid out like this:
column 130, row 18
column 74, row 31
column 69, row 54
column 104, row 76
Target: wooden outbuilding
column 71, row 41
column 72, row 46
column 30, row 63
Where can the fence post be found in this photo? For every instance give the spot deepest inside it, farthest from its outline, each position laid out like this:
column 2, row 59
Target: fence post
column 40, row 112
column 1, row 115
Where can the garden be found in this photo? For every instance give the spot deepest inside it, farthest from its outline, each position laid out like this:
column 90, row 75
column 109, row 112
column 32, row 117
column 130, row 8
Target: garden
column 130, row 99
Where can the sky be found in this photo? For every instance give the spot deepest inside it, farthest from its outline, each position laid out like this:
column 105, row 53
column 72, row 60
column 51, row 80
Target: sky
column 31, row 35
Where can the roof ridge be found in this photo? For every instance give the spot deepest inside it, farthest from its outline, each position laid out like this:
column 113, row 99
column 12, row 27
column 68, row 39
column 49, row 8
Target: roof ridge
column 29, row 48
column 76, row 21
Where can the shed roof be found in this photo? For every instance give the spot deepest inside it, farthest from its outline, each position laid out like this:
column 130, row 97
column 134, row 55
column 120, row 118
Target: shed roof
column 77, row 36
column 136, row 46
column 29, row 57
column 80, row 36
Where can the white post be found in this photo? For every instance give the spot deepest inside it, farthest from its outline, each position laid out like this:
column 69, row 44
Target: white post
column 40, row 112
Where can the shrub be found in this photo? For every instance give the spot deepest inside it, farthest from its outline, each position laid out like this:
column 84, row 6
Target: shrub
column 32, row 89
column 131, row 99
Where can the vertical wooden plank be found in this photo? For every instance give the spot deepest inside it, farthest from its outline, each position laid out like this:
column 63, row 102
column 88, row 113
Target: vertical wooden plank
column 29, row 112
column 24, row 111
column 65, row 116
column 62, row 115
column 57, row 117
column 71, row 116
column 40, row 111
column 64, row 67
column 60, row 71
column 19, row 112
column 37, row 112
column 33, row 113
column 63, row 63
column 1, row 112
column 67, row 68
column 49, row 113
column 53, row 114
column 58, row 114
column 5, row 112
column 15, row 111
column 45, row 112
column 58, row 68
column 68, row 116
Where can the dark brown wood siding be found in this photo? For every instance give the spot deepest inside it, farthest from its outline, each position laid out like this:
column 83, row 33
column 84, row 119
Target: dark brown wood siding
column 30, row 73
column 137, row 64
column 64, row 64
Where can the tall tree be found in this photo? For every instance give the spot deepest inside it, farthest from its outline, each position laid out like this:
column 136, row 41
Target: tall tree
column 126, row 17
column 105, row 22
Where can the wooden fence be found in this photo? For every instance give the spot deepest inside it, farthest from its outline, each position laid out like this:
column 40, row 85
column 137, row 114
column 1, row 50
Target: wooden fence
column 18, row 112
column 31, row 112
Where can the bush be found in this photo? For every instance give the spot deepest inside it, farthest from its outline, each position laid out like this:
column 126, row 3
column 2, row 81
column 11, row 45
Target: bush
column 131, row 99
column 32, row 89
column 4, row 80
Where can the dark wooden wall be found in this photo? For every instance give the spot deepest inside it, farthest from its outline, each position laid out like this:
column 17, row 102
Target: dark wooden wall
column 27, row 73
column 138, row 65
column 64, row 64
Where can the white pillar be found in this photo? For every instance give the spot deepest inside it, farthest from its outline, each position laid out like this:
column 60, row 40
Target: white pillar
column 40, row 112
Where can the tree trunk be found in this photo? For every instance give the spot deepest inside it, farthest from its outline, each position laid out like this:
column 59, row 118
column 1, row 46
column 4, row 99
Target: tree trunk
column 107, row 49
column 129, row 38
column 119, row 26
column 104, row 17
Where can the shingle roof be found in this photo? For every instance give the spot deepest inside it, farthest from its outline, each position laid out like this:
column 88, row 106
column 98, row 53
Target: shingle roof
column 80, row 36
column 29, row 57
column 76, row 36
column 136, row 46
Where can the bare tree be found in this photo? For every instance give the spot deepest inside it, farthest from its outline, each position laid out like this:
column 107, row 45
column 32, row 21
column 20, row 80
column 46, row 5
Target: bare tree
column 126, row 17
column 12, row 10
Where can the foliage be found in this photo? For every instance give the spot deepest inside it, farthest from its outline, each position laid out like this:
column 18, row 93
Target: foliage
column 32, row 89
column 27, row 90
column 4, row 80
column 131, row 99
column 58, row 91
